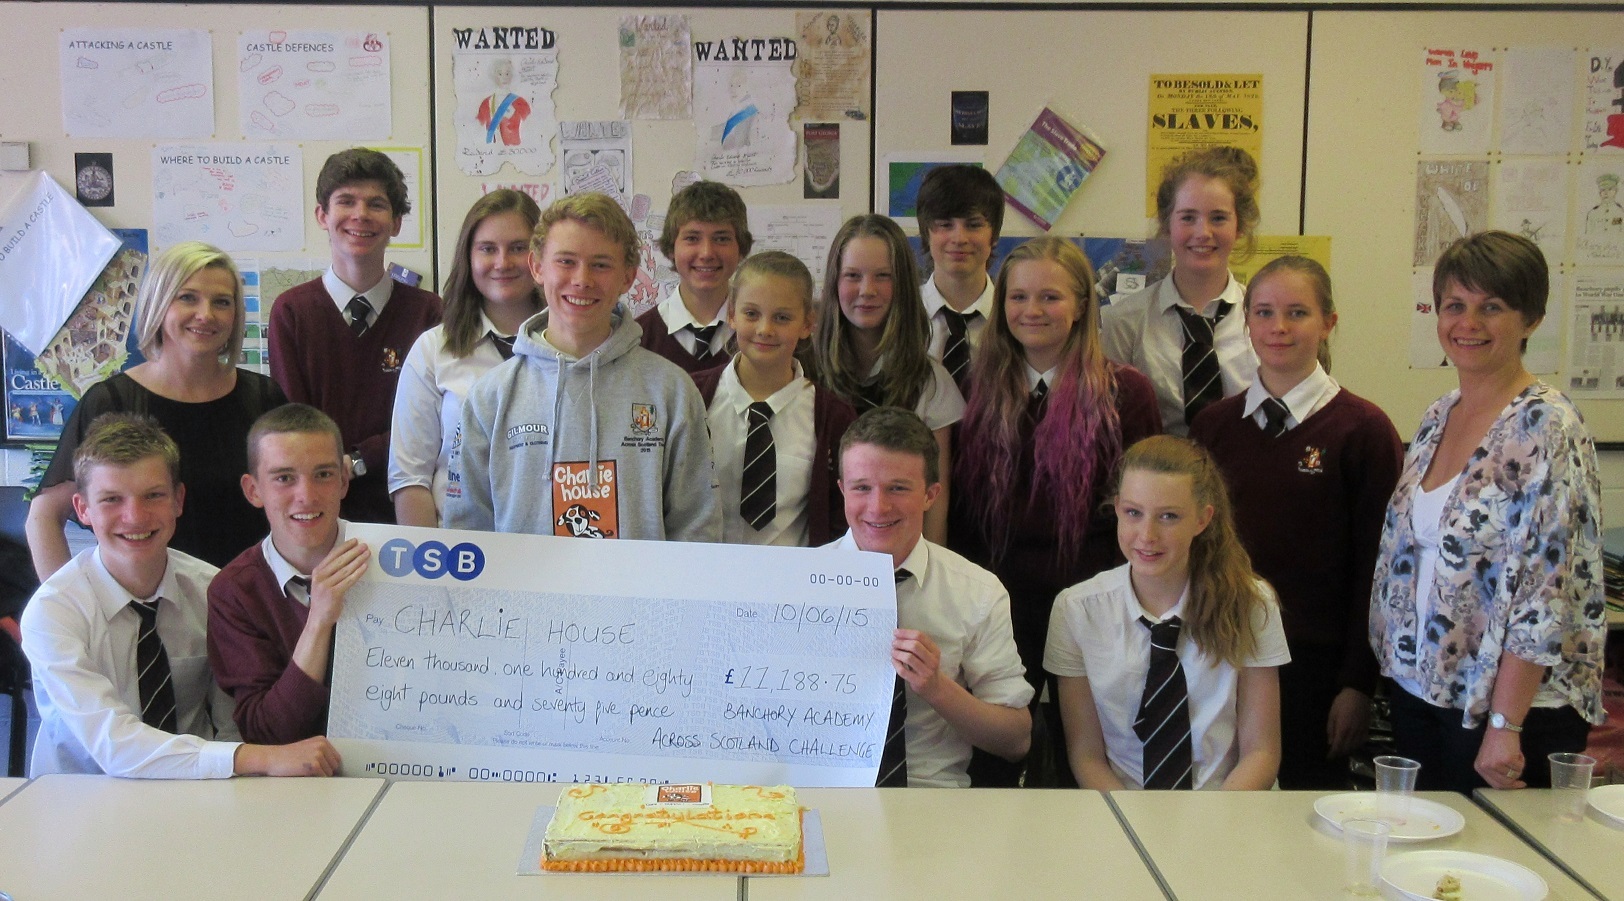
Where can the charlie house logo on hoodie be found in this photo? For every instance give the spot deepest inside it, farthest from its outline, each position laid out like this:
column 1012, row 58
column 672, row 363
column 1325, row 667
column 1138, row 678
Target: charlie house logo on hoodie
column 582, row 508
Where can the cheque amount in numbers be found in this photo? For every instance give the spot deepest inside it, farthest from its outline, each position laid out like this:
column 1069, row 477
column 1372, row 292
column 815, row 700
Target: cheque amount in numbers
column 779, row 679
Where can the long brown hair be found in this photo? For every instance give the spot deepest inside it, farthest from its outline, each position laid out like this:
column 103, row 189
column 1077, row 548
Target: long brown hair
column 1223, row 594
column 903, row 340
column 463, row 302
column 1077, row 443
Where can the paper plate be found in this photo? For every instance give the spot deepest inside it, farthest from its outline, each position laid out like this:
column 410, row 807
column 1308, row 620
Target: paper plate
column 1427, row 819
column 1415, row 874
column 1608, row 801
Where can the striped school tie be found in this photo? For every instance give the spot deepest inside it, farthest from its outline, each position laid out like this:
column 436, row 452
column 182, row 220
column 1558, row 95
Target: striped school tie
column 152, row 671
column 1163, row 723
column 359, row 311
column 703, row 336
column 504, row 344
column 758, row 489
column 894, row 756
column 956, row 352
column 1274, row 415
column 1203, row 383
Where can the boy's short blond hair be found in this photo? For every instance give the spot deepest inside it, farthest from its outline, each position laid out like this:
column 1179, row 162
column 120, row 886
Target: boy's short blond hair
column 600, row 211
column 124, row 439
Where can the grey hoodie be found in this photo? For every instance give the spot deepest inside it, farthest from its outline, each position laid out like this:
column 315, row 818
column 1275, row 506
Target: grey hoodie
column 613, row 445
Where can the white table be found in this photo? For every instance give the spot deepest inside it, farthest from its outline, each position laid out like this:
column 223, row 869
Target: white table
column 463, row 840
column 78, row 837
column 1591, row 849
column 1271, row 844
column 9, row 784
column 921, row 843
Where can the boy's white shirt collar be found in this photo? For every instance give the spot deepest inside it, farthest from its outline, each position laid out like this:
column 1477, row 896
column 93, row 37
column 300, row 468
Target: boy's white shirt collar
column 112, row 597
column 917, row 562
column 342, row 293
column 285, row 571
column 934, row 300
column 677, row 316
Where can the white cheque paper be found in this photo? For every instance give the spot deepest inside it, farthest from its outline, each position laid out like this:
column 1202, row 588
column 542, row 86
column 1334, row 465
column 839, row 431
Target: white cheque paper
column 491, row 657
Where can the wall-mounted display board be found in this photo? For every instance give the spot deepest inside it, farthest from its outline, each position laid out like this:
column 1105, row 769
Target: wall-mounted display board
column 1421, row 123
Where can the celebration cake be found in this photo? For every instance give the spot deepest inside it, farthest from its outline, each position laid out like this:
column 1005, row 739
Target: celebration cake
column 638, row 828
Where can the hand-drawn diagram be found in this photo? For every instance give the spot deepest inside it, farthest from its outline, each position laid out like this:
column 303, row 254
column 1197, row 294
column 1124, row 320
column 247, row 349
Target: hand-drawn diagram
column 137, row 83
column 238, row 197
column 319, row 85
column 743, row 95
column 831, row 75
column 596, row 156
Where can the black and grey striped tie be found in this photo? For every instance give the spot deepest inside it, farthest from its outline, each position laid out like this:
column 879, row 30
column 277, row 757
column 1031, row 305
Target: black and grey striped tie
column 703, row 336
column 1163, row 723
column 956, row 351
column 1275, row 412
column 758, row 489
column 1203, row 382
column 360, row 312
column 894, row 755
column 152, row 671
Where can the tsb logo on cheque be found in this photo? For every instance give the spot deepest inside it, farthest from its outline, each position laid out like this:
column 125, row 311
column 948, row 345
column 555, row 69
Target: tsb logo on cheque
column 431, row 559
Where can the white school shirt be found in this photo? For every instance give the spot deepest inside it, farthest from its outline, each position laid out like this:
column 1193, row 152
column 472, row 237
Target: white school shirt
column 1308, row 397
column 79, row 634
column 793, row 446
column 1143, row 330
column 965, row 610
column 428, row 410
column 1095, row 633
column 342, row 294
column 940, row 404
column 935, row 303
column 286, row 572
column 674, row 313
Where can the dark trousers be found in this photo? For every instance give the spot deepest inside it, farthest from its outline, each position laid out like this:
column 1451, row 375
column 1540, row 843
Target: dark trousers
column 1308, row 685
column 1434, row 736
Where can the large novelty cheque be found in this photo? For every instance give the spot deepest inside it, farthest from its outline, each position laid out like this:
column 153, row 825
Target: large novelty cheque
column 521, row 658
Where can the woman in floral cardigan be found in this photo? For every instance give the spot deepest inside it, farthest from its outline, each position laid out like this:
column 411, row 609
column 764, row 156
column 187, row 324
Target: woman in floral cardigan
column 1487, row 605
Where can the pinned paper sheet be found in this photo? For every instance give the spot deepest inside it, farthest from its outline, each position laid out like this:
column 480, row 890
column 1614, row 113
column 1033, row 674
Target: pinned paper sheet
column 238, row 197
column 322, row 85
column 743, row 95
column 504, row 80
column 137, row 83
column 51, row 250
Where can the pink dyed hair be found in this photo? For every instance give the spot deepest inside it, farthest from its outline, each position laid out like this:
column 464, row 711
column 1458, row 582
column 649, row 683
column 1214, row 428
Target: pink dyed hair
column 1079, row 440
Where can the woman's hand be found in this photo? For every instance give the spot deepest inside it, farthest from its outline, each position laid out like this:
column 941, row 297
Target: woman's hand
column 1500, row 759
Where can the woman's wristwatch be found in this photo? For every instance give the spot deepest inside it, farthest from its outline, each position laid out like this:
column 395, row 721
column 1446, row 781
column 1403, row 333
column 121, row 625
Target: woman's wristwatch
column 1497, row 720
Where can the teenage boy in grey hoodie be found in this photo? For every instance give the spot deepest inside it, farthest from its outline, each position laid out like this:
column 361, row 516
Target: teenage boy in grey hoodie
column 583, row 433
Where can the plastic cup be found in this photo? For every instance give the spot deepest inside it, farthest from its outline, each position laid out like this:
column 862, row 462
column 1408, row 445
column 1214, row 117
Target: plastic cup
column 1365, row 844
column 1395, row 785
column 1570, row 784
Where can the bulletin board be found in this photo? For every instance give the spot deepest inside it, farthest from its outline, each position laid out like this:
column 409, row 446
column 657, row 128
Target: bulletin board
column 1371, row 112
column 31, row 105
column 1093, row 68
column 587, row 42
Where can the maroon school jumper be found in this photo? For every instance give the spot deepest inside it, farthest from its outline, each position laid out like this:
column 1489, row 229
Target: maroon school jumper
column 253, row 628
column 318, row 361
column 662, row 342
column 825, row 508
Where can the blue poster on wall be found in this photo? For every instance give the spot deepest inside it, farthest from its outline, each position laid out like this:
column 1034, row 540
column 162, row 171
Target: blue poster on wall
column 97, row 341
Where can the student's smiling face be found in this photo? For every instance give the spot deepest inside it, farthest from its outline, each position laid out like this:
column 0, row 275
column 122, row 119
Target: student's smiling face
column 865, row 282
column 886, row 498
column 358, row 220
column 770, row 316
column 706, row 255
column 1287, row 324
column 1041, row 307
column 1203, row 226
column 583, row 273
column 132, row 511
column 499, row 260
column 299, row 481
column 1157, row 521
column 961, row 246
